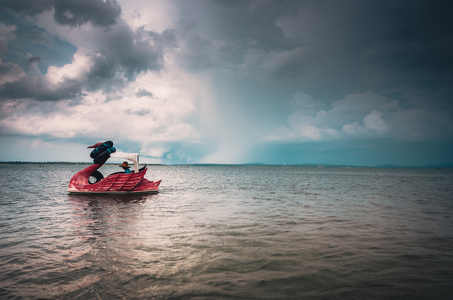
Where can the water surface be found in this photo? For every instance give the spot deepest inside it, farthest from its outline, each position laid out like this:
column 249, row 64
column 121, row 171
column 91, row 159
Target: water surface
column 224, row 232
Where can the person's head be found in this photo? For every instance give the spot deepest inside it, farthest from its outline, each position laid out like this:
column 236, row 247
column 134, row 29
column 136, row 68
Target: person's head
column 125, row 165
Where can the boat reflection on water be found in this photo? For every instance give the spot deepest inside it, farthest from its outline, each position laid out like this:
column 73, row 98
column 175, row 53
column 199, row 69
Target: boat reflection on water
column 103, row 215
column 100, row 217
column 109, row 199
column 106, row 233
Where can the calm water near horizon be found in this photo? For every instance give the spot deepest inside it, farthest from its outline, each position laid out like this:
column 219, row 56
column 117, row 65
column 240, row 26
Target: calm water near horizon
column 229, row 232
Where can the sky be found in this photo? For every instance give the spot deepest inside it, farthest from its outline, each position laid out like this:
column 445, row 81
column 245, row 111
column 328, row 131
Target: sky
column 226, row 81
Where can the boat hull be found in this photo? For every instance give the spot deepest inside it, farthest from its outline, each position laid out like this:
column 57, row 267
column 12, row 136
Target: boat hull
column 154, row 191
column 117, row 183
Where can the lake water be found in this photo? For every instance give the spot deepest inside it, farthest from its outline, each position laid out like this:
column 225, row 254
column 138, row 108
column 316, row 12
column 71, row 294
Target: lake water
column 229, row 232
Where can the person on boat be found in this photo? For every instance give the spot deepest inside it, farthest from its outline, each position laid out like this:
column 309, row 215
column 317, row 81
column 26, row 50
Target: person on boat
column 126, row 167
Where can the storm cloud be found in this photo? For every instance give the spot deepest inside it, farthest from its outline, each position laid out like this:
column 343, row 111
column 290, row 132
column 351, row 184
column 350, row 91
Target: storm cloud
column 107, row 60
column 69, row 12
column 233, row 81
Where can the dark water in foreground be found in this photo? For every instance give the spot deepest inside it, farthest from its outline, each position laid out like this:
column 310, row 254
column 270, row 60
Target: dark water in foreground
column 229, row 232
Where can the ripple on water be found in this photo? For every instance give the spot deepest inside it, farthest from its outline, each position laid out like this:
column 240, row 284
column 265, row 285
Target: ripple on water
column 230, row 232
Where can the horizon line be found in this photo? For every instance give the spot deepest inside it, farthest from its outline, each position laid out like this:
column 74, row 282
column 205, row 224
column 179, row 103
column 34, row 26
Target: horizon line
column 318, row 165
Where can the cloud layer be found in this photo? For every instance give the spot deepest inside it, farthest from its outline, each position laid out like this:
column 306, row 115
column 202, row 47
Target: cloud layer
column 220, row 81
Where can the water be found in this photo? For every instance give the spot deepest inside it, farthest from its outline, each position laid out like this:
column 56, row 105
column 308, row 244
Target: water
column 229, row 233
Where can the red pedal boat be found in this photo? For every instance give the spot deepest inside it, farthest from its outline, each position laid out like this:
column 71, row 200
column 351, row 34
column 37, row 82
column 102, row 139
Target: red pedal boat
column 116, row 183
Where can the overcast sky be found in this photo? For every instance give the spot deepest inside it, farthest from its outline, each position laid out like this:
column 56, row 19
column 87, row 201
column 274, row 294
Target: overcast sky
column 225, row 81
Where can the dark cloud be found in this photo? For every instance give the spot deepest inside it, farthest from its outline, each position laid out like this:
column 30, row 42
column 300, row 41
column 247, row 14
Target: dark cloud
column 118, row 56
column 27, row 7
column 79, row 12
column 143, row 93
column 38, row 88
column 355, row 46
column 139, row 112
column 138, row 51
column 34, row 60
column 9, row 72
column 328, row 49
column 414, row 44
column 125, row 54
column 69, row 12
column 102, row 75
column 220, row 33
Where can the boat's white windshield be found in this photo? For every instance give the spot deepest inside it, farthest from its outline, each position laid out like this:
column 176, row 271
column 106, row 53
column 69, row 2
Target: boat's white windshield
column 129, row 156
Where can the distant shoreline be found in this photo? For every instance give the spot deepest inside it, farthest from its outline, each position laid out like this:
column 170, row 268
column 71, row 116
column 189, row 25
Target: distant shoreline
column 433, row 166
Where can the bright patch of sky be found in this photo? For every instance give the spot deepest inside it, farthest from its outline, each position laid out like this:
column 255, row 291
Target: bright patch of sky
column 327, row 82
